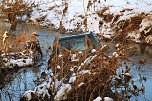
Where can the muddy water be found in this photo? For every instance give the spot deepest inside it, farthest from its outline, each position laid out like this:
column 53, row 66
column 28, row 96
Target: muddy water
column 27, row 78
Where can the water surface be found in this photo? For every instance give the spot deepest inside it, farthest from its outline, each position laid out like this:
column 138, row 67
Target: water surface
column 27, row 78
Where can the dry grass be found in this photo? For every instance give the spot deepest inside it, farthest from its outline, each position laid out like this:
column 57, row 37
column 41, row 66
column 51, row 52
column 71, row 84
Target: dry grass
column 131, row 25
column 14, row 46
column 13, row 43
column 0, row 40
column 96, row 82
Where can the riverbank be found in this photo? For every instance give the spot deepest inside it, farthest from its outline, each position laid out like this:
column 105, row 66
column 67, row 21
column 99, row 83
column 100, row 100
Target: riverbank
column 127, row 20
column 113, row 23
column 123, row 20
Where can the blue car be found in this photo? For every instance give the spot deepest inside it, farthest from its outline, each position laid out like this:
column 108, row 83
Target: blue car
column 79, row 42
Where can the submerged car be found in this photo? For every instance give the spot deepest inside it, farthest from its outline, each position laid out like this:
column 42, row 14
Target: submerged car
column 79, row 42
column 67, row 45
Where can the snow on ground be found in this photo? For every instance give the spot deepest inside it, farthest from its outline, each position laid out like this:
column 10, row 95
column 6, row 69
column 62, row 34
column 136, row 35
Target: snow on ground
column 80, row 19
column 62, row 92
column 108, row 99
column 28, row 94
column 98, row 99
column 10, row 60
column 145, row 27
column 105, row 99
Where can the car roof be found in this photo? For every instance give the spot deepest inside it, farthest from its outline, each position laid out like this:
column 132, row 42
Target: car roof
column 76, row 36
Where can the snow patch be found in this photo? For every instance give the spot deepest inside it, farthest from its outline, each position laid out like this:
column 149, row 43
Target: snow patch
column 93, row 50
column 115, row 54
column 108, row 99
column 72, row 79
column 62, row 92
column 80, row 84
column 82, row 72
column 98, row 99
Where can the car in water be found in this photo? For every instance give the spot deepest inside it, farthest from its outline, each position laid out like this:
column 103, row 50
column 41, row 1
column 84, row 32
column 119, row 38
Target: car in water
column 79, row 42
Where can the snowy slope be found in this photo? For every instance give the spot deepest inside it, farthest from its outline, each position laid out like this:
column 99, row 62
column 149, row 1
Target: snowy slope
column 80, row 19
column 77, row 7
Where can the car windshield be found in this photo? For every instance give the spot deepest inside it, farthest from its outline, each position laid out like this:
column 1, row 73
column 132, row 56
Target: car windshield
column 74, row 43
column 78, row 42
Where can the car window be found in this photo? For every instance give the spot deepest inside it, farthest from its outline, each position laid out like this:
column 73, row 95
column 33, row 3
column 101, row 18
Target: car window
column 79, row 42
column 73, row 43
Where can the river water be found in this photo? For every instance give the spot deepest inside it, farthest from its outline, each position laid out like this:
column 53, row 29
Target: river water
column 27, row 78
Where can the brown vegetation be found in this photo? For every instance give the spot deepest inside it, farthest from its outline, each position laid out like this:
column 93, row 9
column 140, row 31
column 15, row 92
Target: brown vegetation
column 12, row 10
column 13, row 43
column 95, row 75
column 28, row 44
column 97, row 81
